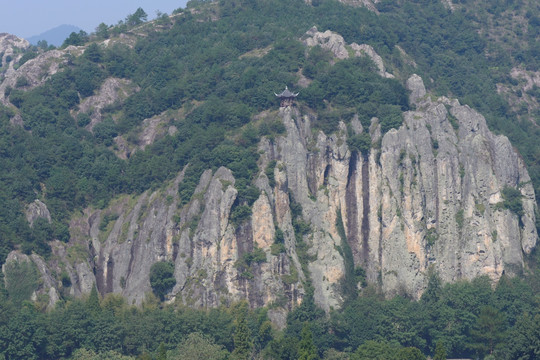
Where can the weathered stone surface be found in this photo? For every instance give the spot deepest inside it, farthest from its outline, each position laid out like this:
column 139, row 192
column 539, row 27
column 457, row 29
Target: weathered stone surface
column 335, row 43
column 151, row 130
column 429, row 197
column 518, row 95
column 47, row 284
column 36, row 71
column 36, row 210
column 112, row 91
column 9, row 44
column 327, row 40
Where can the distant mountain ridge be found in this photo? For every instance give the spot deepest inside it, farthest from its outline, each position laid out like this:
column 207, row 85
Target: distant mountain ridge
column 55, row 36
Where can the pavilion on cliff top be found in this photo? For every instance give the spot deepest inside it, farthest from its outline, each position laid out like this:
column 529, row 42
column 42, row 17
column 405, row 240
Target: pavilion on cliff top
column 287, row 97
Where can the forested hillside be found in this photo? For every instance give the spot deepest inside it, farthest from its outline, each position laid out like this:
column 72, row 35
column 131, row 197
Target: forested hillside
column 99, row 136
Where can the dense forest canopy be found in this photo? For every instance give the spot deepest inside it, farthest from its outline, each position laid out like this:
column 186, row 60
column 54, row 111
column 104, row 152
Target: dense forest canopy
column 220, row 64
column 461, row 320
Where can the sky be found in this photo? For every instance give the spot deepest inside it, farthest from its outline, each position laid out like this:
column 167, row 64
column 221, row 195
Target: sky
column 26, row 18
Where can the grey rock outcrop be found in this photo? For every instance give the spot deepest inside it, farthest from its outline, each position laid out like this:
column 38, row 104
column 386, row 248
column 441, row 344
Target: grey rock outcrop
column 36, row 210
column 519, row 95
column 112, row 91
column 429, row 197
column 36, row 71
column 335, row 43
column 43, row 284
column 151, row 130
column 9, row 51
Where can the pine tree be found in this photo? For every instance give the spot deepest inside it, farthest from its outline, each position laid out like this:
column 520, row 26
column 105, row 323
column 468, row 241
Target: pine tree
column 488, row 330
column 161, row 352
column 242, row 336
column 306, row 348
column 440, row 351
column 93, row 301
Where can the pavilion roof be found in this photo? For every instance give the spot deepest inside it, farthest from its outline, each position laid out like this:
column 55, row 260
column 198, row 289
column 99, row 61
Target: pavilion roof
column 286, row 93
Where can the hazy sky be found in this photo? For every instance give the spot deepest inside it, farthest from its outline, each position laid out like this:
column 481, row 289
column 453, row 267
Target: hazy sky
column 26, row 18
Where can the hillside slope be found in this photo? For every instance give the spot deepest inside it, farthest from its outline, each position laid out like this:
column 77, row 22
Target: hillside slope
column 163, row 141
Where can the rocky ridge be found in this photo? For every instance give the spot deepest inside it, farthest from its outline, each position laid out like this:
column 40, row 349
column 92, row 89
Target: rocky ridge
column 426, row 196
column 10, row 51
column 335, row 43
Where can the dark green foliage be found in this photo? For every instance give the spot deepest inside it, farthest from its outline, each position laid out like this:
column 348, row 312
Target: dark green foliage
column 360, row 143
column 317, row 62
column 244, row 264
column 22, row 81
column 102, row 31
column 318, row 323
column 524, row 339
column 279, row 242
column 375, row 351
column 21, row 280
column 188, row 185
column 240, row 213
column 385, row 351
column 271, row 128
column 410, row 353
column 242, row 336
column 83, row 119
column 161, row 352
column 269, row 172
column 105, row 131
column 460, row 218
column 76, row 39
column 137, row 18
column 354, row 83
column 93, row 303
column 390, row 117
column 306, row 347
column 512, row 200
column 199, row 346
column 488, row 330
column 368, row 327
column 106, row 220
column 162, row 278
column 440, row 351
column 431, row 236
column 27, row 56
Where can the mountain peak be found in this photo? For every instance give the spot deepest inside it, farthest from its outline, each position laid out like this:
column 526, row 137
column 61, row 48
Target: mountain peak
column 54, row 36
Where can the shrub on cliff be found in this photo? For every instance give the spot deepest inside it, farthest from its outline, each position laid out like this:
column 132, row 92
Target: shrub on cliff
column 162, row 278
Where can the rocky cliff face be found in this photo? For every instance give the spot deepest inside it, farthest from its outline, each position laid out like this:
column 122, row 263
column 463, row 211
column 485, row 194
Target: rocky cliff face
column 335, row 43
column 427, row 195
column 10, row 46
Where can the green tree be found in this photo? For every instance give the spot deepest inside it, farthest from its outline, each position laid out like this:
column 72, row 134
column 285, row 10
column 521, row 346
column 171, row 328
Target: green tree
column 84, row 354
column 76, row 39
column 161, row 352
column 524, row 339
column 306, row 347
column 162, row 278
column 198, row 346
column 137, row 18
column 512, row 200
column 242, row 336
column 21, row 280
column 93, row 53
column 440, row 351
column 93, row 301
column 488, row 330
column 102, row 31
column 409, row 353
column 373, row 350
